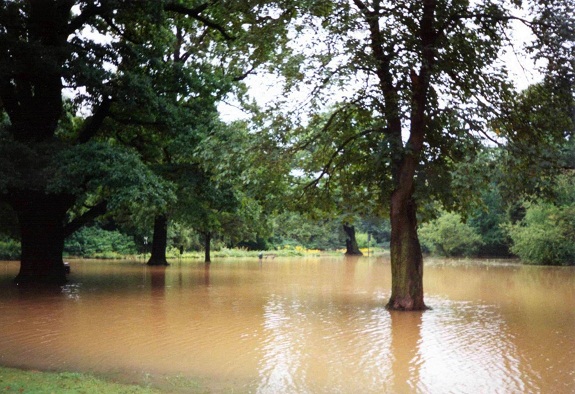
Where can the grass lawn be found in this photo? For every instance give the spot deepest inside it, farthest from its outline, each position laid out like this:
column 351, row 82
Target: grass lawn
column 19, row 381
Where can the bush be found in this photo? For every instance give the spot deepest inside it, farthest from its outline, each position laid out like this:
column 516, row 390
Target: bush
column 9, row 249
column 96, row 242
column 545, row 236
column 449, row 236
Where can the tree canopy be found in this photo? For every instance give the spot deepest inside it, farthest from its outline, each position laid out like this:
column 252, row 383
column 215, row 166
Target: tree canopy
column 139, row 70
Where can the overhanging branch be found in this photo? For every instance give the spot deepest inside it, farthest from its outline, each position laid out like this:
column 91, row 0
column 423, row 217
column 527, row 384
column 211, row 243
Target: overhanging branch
column 334, row 155
column 195, row 13
column 91, row 214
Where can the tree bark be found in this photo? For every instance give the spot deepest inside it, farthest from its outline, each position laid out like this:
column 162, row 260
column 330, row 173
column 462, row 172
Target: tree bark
column 159, row 241
column 41, row 217
column 352, row 249
column 207, row 246
column 406, row 256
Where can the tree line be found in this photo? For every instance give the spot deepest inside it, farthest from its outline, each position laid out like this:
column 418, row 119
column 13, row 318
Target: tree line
column 538, row 230
column 110, row 112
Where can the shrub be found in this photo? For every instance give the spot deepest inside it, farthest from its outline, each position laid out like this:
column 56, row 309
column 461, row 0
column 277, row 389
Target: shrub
column 96, row 242
column 449, row 236
column 9, row 249
column 545, row 236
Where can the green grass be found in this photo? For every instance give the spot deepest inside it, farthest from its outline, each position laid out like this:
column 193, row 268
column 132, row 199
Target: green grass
column 297, row 251
column 291, row 251
column 19, row 381
column 237, row 253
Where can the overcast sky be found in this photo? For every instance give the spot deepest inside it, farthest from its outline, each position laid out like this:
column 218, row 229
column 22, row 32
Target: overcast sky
column 264, row 88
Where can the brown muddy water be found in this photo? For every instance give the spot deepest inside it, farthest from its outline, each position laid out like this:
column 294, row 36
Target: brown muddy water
column 299, row 326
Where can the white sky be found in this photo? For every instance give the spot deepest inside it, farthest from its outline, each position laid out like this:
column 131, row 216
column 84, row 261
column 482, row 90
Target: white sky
column 264, row 88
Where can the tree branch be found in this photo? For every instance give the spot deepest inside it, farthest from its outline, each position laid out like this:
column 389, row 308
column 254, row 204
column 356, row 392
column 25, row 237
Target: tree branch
column 10, row 101
column 481, row 15
column 93, row 124
column 243, row 76
column 79, row 21
column 91, row 214
column 195, row 13
column 334, row 155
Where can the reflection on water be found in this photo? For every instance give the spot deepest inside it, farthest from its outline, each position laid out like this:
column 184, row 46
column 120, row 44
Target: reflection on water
column 302, row 325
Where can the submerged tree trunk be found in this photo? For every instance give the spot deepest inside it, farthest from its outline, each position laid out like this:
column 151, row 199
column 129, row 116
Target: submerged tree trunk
column 159, row 241
column 42, row 234
column 406, row 256
column 352, row 249
column 207, row 246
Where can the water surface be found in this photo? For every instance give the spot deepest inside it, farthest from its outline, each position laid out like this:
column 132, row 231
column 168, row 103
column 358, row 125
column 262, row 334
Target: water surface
column 299, row 326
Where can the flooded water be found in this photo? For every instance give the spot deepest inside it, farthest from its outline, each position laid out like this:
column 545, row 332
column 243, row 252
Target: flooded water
column 299, row 326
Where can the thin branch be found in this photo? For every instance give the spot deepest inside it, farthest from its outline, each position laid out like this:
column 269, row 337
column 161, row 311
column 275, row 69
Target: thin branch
column 195, row 13
column 362, row 7
column 334, row 155
column 78, row 22
column 116, row 28
column 483, row 15
column 243, row 76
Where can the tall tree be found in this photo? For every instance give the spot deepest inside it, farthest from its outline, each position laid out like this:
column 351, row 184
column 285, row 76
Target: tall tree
column 199, row 66
column 427, row 78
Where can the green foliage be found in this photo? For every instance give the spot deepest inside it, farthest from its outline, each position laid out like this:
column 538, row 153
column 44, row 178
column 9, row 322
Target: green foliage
column 362, row 240
column 9, row 249
column 378, row 228
column 229, row 188
column 292, row 229
column 449, row 236
column 96, row 242
column 488, row 217
column 8, row 222
column 117, row 173
column 537, row 124
column 182, row 236
column 546, row 235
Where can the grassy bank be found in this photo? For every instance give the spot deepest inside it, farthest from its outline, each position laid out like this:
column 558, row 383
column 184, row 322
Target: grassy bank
column 266, row 254
column 19, row 381
column 14, row 380
column 234, row 253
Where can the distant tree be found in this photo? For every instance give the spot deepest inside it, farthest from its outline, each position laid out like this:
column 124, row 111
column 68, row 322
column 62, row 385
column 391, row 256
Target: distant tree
column 290, row 229
column 351, row 247
column 488, row 220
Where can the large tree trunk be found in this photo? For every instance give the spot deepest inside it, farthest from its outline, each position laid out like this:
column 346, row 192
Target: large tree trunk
column 406, row 256
column 42, row 234
column 159, row 241
column 352, row 249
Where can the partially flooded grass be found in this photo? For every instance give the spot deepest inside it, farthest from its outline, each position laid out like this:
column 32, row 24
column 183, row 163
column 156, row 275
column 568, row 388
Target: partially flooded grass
column 20, row 381
column 14, row 380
